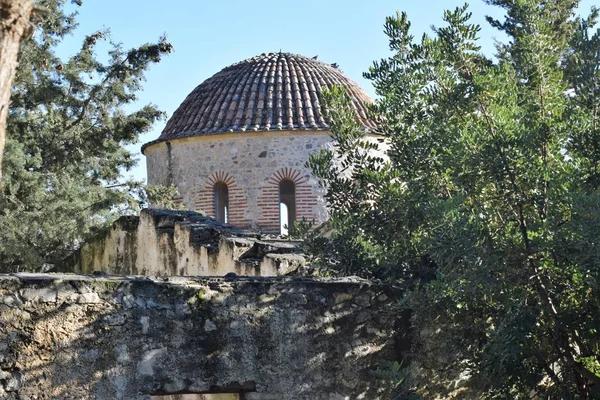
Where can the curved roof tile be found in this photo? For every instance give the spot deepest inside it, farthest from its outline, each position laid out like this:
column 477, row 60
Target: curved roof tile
column 272, row 91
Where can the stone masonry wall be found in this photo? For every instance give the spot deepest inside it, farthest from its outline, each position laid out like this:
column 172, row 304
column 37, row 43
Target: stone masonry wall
column 81, row 337
column 252, row 164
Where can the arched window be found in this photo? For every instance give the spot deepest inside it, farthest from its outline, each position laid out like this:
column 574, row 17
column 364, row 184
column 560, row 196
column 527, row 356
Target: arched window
column 221, row 192
column 287, row 205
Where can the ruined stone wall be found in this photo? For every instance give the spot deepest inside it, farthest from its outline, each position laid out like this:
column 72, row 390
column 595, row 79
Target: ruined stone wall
column 252, row 164
column 175, row 242
column 77, row 337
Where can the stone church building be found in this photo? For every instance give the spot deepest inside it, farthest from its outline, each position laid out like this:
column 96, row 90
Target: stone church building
column 236, row 147
column 179, row 306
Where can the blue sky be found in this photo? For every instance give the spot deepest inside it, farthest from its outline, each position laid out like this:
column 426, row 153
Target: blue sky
column 210, row 35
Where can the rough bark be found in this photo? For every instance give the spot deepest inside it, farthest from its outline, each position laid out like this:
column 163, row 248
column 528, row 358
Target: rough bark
column 14, row 25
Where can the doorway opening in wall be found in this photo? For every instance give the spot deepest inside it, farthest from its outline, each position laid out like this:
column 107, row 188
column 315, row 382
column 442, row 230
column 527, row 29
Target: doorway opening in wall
column 287, row 205
column 232, row 391
column 221, row 196
column 205, row 396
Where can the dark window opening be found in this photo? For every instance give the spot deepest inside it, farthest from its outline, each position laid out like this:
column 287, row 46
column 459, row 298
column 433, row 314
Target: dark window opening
column 287, row 205
column 221, row 202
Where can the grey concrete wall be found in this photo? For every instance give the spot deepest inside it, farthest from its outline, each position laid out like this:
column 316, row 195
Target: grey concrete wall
column 79, row 337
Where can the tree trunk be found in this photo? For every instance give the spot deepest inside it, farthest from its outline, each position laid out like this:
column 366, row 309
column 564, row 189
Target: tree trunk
column 14, row 25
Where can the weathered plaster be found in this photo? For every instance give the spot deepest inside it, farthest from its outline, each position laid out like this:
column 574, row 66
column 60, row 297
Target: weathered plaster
column 170, row 242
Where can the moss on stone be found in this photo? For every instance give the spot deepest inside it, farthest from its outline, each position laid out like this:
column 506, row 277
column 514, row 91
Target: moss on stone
column 105, row 285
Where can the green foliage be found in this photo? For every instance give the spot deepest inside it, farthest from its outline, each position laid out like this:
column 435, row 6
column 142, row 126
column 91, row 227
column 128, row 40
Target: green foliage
column 159, row 196
column 66, row 130
column 300, row 229
column 486, row 206
column 391, row 378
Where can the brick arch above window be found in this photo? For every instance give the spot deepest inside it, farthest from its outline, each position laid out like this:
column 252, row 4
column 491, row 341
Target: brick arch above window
column 205, row 198
column 288, row 173
column 268, row 200
column 220, row 176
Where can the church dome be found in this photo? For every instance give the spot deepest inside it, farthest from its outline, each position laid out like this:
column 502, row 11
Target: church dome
column 269, row 92
column 237, row 147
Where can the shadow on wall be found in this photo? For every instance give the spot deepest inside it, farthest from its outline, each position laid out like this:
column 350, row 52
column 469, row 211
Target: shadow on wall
column 78, row 337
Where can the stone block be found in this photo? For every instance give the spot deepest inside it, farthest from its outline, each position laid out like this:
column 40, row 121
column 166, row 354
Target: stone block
column 13, row 383
column 182, row 309
column 66, row 292
column 337, row 396
column 88, row 298
column 209, row 326
column 267, row 298
column 12, row 301
column 199, row 385
column 299, row 299
column 174, row 386
column 145, row 322
column 42, row 295
column 263, row 396
column 122, row 353
column 342, row 297
column 364, row 300
column 149, row 360
column 115, row 319
column 382, row 297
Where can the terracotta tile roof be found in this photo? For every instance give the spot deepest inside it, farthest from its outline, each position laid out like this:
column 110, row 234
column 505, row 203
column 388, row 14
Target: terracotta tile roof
column 273, row 91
